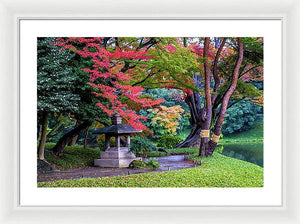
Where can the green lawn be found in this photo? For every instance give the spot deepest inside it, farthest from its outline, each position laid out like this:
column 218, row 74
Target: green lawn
column 215, row 171
column 179, row 151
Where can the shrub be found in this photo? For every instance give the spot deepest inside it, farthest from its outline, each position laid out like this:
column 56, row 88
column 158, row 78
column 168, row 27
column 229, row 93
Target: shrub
column 140, row 146
column 152, row 163
column 168, row 141
column 73, row 157
column 137, row 164
column 101, row 143
column 242, row 117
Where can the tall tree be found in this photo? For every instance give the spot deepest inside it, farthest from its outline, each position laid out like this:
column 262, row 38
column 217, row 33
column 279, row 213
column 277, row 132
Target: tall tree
column 212, row 76
column 110, row 64
column 53, row 85
column 225, row 69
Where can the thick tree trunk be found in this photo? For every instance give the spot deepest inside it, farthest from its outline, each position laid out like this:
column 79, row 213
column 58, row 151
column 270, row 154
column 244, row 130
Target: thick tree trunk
column 58, row 149
column 43, row 136
column 73, row 141
column 206, row 113
column 193, row 139
column 203, row 151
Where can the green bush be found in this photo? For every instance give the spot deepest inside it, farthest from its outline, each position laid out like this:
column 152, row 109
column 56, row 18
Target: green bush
column 152, row 163
column 242, row 117
column 168, row 141
column 112, row 143
column 140, row 146
column 101, row 145
column 137, row 164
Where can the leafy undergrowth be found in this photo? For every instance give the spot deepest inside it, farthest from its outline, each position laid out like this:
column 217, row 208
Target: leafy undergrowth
column 253, row 135
column 215, row 171
column 73, row 157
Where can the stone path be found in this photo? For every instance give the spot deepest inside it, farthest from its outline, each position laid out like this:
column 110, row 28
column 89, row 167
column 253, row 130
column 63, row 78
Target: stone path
column 167, row 163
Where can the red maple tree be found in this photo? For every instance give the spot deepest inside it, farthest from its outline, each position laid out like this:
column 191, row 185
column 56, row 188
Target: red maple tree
column 110, row 65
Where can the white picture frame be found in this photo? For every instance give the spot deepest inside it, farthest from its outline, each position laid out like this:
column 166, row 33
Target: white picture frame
column 268, row 195
column 10, row 12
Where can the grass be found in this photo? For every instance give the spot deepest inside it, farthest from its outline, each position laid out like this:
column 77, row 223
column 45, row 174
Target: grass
column 179, row 151
column 73, row 157
column 253, row 135
column 216, row 171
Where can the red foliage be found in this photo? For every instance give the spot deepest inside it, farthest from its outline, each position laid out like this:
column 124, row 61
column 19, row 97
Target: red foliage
column 107, row 66
column 199, row 51
column 170, row 48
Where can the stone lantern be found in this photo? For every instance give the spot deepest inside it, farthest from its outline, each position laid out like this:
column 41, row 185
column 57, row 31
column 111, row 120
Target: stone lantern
column 118, row 156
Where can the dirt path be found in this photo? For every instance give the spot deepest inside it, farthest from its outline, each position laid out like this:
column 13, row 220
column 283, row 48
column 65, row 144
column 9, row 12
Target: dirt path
column 166, row 163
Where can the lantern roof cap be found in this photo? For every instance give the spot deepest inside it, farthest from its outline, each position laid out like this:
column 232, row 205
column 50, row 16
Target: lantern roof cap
column 116, row 129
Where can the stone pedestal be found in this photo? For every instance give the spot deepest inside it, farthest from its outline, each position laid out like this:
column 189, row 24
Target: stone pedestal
column 115, row 157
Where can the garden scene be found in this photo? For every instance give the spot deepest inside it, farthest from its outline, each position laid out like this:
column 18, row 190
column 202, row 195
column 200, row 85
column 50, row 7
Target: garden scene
column 150, row 112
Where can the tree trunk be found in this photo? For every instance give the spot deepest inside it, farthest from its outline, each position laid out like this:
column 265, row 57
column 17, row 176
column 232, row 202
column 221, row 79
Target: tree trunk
column 203, row 151
column 193, row 139
column 206, row 113
column 39, row 134
column 58, row 149
column 207, row 146
column 43, row 136
column 226, row 98
column 73, row 141
column 85, row 138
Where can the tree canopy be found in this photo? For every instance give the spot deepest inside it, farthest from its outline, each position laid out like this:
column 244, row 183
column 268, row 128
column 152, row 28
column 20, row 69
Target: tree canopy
column 110, row 75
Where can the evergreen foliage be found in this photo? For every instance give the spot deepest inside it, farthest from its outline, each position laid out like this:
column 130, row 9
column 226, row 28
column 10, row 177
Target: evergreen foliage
column 54, row 78
column 140, row 146
column 241, row 117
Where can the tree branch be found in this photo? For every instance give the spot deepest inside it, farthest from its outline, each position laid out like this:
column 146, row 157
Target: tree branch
column 230, row 90
column 215, row 69
column 248, row 71
column 143, row 80
column 102, row 122
column 207, row 72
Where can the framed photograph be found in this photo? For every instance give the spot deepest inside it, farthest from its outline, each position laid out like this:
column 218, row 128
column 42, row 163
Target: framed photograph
column 240, row 182
column 256, row 179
